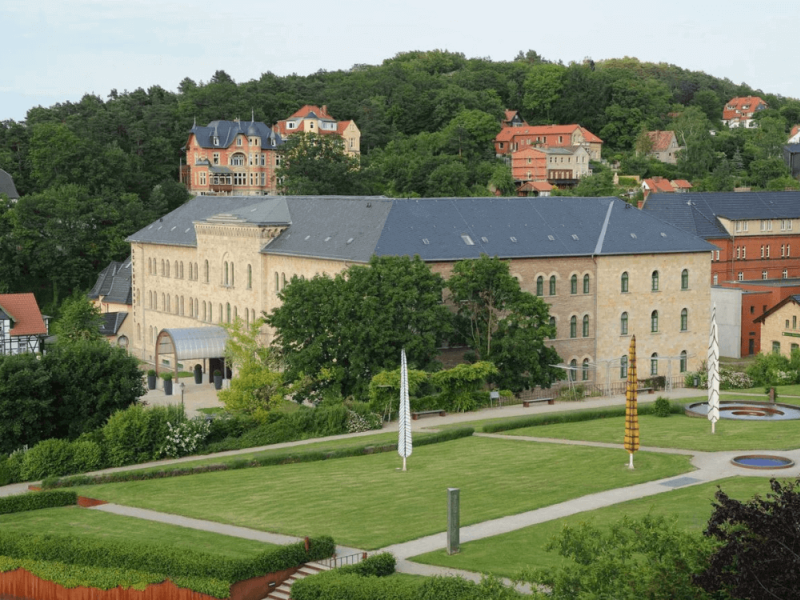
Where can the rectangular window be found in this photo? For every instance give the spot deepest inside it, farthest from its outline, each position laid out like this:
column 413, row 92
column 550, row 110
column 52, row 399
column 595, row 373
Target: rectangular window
column 740, row 276
column 767, row 250
column 202, row 177
column 717, row 254
column 762, row 251
column 744, row 252
column 215, row 158
column 716, row 279
column 776, row 347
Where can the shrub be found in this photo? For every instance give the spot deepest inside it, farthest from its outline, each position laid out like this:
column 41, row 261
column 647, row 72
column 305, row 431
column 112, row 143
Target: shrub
column 184, row 438
column 772, row 370
column 458, row 383
column 377, row 565
column 662, row 407
column 86, row 456
column 5, row 471
column 151, row 372
column 166, row 376
column 137, row 434
column 50, row 457
column 37, row 500
column 14, row 464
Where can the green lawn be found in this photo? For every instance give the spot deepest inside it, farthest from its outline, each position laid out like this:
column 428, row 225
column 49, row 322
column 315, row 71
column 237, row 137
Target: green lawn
column 368, row 503
column 81, row 522
column 507, row 554
column 789, row 390
column 678, row 431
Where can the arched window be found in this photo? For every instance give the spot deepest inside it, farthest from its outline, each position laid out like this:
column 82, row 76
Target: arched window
column 654, row 364
column 196, row 273
column 176, row 270
column 553, row 325
column 233, row 276
column 228, row 312
column 585, row 370
column 235, row 313
column 196, row 308
column 283, row 281
column 205, row 313
column 540, row 286
column 552, row 285
column 585, row 284
column 191, row 305
column 654, row 321
column 225, row 271
column 623, row 324
column 168, row 307
column 624, row 283
column 683, row 361
column 573, row 369
column 249, row 277
column 167, row 263
column 623, row 367
column 585, row 325
column 163, row 301
column 181, row 306
column 221, row 316
column 210, row 312
column 573, row 284
column 573, row 327
column 277, row 283
column 654, row 281
column 181, row 269
column 206, row 271
column 163, row 272
column 684, row 320
column 685, row 279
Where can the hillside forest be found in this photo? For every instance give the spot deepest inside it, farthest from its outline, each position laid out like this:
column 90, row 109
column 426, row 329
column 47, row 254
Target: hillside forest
column 92, row 172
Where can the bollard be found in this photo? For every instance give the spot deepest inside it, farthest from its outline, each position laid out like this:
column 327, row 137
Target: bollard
column 453, row 521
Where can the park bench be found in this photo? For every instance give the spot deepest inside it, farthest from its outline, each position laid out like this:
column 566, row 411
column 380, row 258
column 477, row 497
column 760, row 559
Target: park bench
column 416, row 415
column 648, row 390
column 527, row 403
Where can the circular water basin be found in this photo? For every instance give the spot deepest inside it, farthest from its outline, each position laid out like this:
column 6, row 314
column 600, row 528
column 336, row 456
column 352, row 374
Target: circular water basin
column 762, row 461
column 746, row 410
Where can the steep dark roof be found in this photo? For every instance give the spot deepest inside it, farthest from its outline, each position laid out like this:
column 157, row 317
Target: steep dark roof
column 7, row 186
column 114, row 283
column 112, row 321
column 438, row 229
column 227, row 131
column 697, row 213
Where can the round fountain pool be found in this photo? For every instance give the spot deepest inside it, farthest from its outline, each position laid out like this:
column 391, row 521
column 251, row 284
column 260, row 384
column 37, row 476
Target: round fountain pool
column 762, row 461
column 747, row 410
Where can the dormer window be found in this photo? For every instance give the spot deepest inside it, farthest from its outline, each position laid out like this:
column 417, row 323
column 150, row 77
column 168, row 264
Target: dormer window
column 291, row 125
column 239, row 141
column 215, row 140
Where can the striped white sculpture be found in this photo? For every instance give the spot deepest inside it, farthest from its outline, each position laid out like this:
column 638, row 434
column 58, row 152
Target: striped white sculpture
column 404, row 424
column 713, row 372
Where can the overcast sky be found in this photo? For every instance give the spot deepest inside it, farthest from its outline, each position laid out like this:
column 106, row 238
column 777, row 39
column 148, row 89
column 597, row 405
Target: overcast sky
column 57, row 50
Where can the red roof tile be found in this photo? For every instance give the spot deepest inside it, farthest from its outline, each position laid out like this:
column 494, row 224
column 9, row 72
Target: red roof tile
column 681, row 184
column 303, row 112
column 661, row 140
column 659, row 184
column 24, row 312
column 794, row 131
column 735, row 108
column 507, row 134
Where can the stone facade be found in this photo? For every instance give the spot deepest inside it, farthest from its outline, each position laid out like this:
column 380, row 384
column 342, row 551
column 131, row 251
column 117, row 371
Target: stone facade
column 780, row 330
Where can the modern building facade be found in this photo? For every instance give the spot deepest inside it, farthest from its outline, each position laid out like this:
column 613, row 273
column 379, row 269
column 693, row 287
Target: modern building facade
column 607, row 270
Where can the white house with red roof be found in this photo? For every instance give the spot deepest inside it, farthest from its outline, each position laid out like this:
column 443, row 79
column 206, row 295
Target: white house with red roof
column 315, row 119
column 739, row 111
column 22, row 327
column 794, row 135
column 513, row 139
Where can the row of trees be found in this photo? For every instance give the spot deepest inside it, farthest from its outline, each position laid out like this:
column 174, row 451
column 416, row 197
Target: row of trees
column 370, row 313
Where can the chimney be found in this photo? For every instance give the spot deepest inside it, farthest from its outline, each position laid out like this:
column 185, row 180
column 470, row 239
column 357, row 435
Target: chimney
column 324, row 109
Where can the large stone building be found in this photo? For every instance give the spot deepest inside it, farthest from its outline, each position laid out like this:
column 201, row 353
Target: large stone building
column 780, row 331
column 112, row 295
column 607, row 270
column 516, row 137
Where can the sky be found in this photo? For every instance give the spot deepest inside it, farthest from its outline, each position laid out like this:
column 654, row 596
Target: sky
column 57, row 51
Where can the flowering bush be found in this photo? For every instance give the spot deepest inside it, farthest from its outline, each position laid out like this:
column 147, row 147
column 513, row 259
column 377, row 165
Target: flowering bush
column 357, row 423
column 728, row 379
column 184, row 438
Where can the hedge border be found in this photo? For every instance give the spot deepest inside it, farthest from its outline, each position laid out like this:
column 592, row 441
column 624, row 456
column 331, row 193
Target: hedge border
column 36, row 501
column 572, row 417
column 265, row 461
column 198, row 571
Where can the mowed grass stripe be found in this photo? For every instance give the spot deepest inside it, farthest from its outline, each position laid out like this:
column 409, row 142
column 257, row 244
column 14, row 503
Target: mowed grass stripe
column 507, row 554
column 81, row 522
column 367, row 503
column 678, row 431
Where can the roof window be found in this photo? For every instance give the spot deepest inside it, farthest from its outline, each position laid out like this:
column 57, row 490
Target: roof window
column 426, row 241
column 574, row 237
column 513, row 239
column 551, row 238
column 467, row 240
column 485, row 240
column 633, row 235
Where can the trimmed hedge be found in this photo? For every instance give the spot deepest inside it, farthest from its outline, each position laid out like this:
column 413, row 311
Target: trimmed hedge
column 264, row 461
column 570, row 417
column 339, row 585
column 377, row 565
column 185, row 568
column 37, row 500
column 71, row 576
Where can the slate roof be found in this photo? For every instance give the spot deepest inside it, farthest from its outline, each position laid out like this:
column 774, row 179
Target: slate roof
column 793, row 148
column 114, row 283
column 24, row 312
column 355, row 228
column 697, row 212
column 227, row 131
column 7, row 186
column 112, row 321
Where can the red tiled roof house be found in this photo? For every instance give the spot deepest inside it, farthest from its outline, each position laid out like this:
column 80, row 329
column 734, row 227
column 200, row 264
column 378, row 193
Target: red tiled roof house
column 315, row 119
column 22, row 327
column 739, row 111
